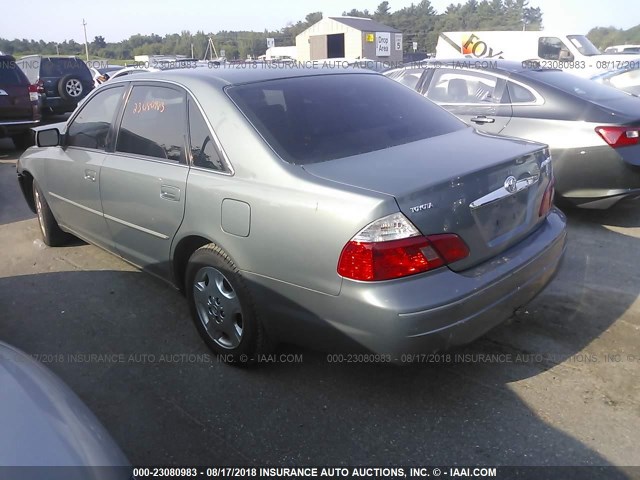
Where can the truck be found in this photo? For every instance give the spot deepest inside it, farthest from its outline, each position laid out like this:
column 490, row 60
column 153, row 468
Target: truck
column 570, row 52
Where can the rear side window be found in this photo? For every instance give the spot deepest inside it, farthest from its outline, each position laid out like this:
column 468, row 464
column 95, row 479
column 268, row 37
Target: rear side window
column 90, row 129
column 520, row 94
column 317, row 118
column 10, row 73
column 203, row 148
column 465, row 87
column 154, row 124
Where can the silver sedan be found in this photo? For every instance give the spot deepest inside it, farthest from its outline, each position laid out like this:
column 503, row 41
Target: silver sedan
column 333, row 208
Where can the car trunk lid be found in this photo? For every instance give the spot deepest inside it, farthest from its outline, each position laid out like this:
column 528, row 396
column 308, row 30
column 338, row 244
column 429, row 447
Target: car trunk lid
column 486, row 189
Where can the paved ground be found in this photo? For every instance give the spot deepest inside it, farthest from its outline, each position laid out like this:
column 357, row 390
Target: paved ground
column 566, row 405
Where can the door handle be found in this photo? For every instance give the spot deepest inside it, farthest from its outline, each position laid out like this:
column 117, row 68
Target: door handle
column 481, row 120
column 90, row 175
column 169, row 192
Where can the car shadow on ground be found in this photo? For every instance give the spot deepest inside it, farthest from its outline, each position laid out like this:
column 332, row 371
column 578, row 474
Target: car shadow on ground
column 125, row 343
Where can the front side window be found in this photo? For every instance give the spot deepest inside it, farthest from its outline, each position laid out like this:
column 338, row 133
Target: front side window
column 458, row 86
column 203, row 148
column 154, row 124
column 552, row 48
column 90, row 128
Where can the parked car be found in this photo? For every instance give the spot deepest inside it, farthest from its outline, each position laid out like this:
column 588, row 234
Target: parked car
column 19, row 108
column 593, row 131
column 308, row 206
column 623, row 49
column 44, row 424
column 125, row 71
column 63, row 81
column 625, row 78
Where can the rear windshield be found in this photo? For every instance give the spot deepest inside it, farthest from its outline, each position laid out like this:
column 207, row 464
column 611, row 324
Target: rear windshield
column 58, row 67
column 318, row 118
column 574, row 85
column 10, row 73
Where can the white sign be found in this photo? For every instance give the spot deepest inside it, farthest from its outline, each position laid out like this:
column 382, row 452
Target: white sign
column 271, row 42
column 399, row 41
column 383, row 44
column 415, row 46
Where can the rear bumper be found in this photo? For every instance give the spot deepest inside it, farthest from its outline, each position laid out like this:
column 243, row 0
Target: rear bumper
column 15, row 127
column 422, row 313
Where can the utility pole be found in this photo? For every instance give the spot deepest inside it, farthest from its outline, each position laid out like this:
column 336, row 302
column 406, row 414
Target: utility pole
column 86, row 42
column 57, row 49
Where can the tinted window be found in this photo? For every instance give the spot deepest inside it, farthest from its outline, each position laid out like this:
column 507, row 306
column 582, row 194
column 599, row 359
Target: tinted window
column 458, row 86
column 326, row 117
column 90, row 129
column 10, row 73
column 203, row 148
column 154, row 124
column 575, row 85
column 519, row 94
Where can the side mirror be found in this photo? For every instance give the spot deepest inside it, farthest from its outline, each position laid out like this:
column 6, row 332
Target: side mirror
column 48, row 138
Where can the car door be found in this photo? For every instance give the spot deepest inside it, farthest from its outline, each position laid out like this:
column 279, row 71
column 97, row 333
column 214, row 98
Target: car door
column 143, row 181
column 72, row 173
column 476, row 97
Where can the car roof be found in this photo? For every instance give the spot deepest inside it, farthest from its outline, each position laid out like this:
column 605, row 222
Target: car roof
column 222, row 75
column 49, row 56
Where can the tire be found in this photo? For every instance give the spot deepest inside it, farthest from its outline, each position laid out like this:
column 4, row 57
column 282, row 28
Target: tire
column 70, row 88
column 23, row 140
column 222, row 309
column 51, row 232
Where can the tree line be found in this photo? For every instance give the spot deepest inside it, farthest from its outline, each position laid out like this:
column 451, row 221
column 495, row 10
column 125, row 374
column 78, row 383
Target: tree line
column 420, row 23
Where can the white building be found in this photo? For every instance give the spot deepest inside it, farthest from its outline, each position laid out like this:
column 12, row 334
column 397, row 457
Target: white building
column 349, row 37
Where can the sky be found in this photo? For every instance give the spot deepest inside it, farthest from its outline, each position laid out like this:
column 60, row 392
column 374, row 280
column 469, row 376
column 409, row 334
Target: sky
column 116, row 20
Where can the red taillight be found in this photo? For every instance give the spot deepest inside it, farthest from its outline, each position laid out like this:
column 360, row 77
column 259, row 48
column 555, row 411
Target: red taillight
column 33, row 93
column 620, row 136
column 547, row 198
column 399, row 258
column 449, row 246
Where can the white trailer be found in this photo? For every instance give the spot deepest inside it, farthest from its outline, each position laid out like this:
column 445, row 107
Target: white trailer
column 571, row 52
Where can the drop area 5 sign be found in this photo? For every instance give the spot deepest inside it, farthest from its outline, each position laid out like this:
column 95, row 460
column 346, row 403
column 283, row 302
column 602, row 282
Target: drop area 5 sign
column 383, row 44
